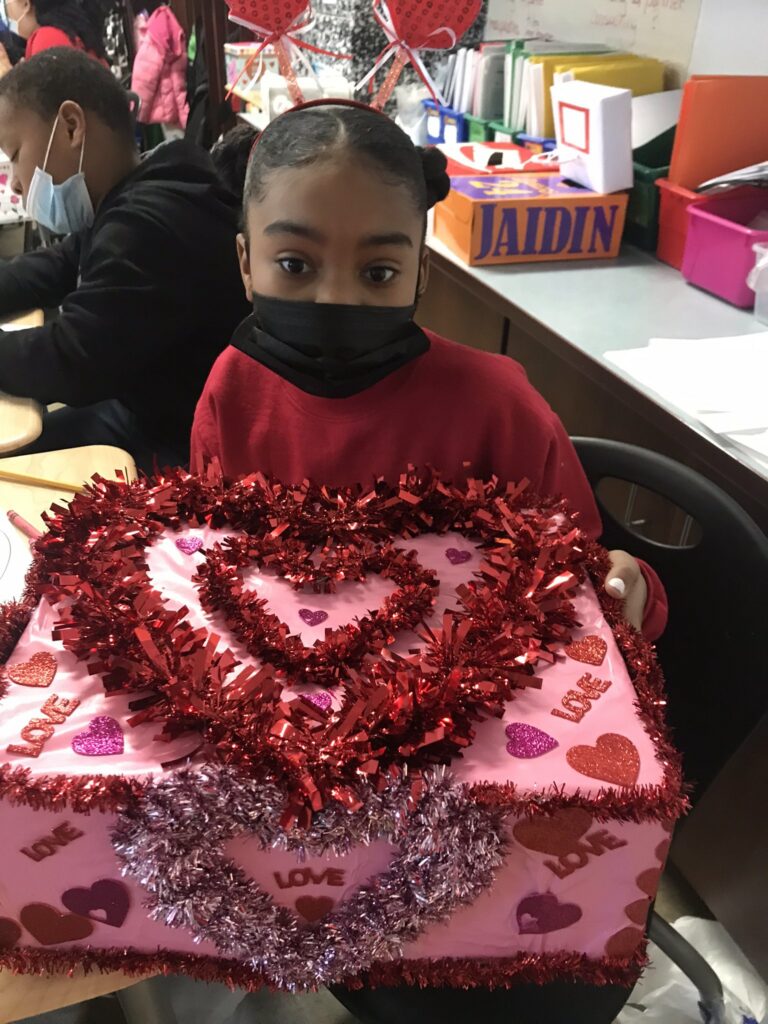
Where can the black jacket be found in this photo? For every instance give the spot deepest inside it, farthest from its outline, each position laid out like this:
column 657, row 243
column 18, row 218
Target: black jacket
column 149, row 296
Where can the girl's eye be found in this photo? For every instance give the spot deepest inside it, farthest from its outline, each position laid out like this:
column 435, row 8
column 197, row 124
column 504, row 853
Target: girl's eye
column 380, row 275
column 293, row 265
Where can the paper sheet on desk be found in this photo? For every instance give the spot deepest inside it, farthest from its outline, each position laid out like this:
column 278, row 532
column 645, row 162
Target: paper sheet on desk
column 721, row 382
column 15, row 560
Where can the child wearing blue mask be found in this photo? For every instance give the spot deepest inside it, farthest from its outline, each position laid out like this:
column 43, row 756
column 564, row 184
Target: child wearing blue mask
column 146, row 280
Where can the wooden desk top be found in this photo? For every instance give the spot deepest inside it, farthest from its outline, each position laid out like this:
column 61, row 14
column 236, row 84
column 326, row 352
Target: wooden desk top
column 21, row 419
column 76, row 465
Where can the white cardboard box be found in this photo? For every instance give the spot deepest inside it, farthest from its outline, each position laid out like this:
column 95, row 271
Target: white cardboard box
column 593, row 124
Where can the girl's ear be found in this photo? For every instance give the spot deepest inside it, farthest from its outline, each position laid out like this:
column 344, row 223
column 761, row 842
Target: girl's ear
column 423, row 281
column 243, row 258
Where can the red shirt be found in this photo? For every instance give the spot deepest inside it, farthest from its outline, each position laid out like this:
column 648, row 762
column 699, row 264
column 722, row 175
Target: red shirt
column 46, row 37
column 451, row 406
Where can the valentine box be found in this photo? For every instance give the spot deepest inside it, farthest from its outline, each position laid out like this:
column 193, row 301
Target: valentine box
column 284, row 736
column 528, row 218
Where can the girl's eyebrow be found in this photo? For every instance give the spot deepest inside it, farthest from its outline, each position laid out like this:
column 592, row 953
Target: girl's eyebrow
column 392, row 238
column 289, row 227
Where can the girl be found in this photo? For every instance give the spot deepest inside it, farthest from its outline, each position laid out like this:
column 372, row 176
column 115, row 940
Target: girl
column 330, row 378
column 48, row 23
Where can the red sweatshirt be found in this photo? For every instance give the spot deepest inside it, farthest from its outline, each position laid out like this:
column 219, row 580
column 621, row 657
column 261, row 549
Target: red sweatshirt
column 450, row 406
column 46, row 37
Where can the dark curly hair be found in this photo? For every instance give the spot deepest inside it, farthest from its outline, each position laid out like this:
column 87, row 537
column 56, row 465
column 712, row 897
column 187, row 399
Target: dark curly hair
column 54, row 76
column 303, row 136
column 79, row 19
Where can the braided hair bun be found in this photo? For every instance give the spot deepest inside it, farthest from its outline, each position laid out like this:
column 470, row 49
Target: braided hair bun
column 434, row 165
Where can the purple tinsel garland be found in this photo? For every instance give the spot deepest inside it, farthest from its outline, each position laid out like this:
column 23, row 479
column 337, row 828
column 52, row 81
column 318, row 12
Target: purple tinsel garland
column 172, row 841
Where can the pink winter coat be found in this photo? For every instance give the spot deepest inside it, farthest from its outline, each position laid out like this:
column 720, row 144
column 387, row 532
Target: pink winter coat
column 160, row 71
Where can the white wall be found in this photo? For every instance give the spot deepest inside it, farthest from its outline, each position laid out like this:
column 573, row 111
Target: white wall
column 731, row 39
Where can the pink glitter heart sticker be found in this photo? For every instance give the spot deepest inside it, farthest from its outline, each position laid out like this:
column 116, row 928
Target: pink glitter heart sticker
column 103, row 736
column 321, row 700
column 528, row 741
column 189, row 545
column 457, row 557
column 311, row 617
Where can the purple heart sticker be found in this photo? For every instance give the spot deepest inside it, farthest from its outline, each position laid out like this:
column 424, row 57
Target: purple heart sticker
column 106, row 900
column 313, row 618
column 543, row 913
column 528, row 741
column 457, row 557
column 103, row 736
column 321, row 699
column 189, row 545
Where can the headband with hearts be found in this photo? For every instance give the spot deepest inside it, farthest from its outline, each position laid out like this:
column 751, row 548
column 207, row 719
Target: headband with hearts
column 412, row 26
column 279, row 24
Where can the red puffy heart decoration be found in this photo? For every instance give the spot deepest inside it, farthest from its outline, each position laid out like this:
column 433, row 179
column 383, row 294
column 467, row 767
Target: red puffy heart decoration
column 275, row 17
column 437, row 25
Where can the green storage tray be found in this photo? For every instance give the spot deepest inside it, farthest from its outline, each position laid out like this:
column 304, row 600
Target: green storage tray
column 478, row 129
column 651, row 162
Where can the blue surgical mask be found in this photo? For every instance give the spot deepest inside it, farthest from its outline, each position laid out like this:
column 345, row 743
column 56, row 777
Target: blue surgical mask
column 64, row 208
column 13, row 26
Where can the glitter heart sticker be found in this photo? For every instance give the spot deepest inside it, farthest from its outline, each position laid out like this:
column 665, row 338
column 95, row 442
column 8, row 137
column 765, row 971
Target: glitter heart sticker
column 189, row 545
column 528, row 741
column 614, row 758
column 321, row 700
column 38, row 671
column 102, row 737
column 313, row 617
column 458, row 557
column 591, row 650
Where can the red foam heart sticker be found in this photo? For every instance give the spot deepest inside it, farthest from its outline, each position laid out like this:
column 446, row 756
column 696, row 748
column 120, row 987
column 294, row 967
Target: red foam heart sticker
column 313, row 908
column 624, row 942
column 557, row 835
column 637, row 912
column 419, row 23
column 49, row 926
column 662, row 850
column 38, row 671
column 590, row 650
column 273, row 15
column 614, row 758
column 106, row 900
column 10, row 933
column 648, row 881
column 543, row 913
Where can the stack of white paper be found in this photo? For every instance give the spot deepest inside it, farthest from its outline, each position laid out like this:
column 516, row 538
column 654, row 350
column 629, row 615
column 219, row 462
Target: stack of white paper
column 721, row 382
column 15, row 560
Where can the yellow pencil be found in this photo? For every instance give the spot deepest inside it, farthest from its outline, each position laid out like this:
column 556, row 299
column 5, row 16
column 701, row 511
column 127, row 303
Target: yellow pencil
column 38, row 481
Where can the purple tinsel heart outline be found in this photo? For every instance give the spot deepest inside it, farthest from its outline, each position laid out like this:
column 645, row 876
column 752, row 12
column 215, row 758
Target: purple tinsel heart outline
column 172, row 842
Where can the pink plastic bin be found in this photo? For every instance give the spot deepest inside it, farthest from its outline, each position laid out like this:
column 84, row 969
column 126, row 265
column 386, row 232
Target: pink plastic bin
column 718, row 248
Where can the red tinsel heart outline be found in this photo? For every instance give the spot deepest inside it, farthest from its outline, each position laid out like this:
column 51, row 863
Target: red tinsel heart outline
column 393, row 714
column 172, row 842
column 267, row 638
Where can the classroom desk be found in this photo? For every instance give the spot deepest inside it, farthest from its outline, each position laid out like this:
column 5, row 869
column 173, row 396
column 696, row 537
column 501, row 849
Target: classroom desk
column 26, row 995
column 21, row 419
column 559, row 320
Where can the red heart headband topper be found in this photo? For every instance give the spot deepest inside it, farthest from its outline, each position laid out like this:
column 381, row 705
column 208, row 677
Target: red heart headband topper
column 412, row 26
column 280, row 24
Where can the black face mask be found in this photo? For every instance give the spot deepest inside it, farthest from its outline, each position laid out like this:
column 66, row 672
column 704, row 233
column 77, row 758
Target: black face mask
column 328, row 349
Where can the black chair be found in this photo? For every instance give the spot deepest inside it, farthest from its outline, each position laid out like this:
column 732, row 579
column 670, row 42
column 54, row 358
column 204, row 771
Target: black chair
column 713, row 650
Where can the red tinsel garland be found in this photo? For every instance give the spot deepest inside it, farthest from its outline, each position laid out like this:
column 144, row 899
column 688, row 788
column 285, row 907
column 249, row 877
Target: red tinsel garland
column 538, row 968
column 393, row 712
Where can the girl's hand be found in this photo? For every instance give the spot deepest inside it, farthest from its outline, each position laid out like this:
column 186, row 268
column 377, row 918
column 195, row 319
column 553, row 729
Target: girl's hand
column 626, row 582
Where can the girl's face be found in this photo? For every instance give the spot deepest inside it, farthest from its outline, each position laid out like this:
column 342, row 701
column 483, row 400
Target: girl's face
column 334, row 232
column 18, row 10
